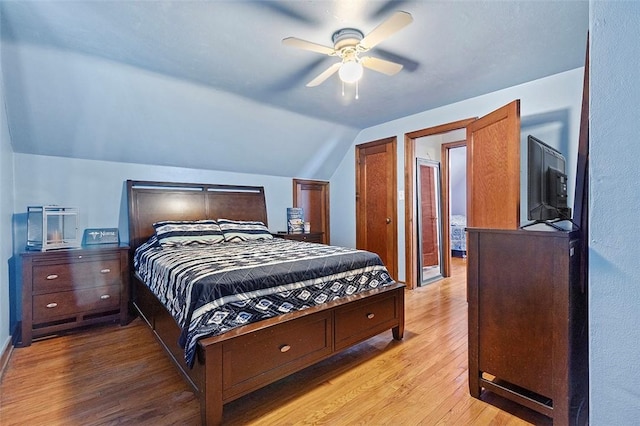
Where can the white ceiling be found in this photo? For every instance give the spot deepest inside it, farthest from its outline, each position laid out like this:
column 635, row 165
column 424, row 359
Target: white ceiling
column 232, row 52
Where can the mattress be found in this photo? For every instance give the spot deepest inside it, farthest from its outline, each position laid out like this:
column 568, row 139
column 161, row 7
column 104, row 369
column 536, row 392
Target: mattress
column 213, row 288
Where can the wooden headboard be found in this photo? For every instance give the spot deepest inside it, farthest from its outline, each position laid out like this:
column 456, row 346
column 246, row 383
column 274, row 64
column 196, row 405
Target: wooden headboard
column 151, row 202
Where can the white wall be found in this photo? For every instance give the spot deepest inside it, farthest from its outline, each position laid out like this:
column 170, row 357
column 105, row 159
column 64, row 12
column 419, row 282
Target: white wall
column 556, row 96
column 458, row 180
column 6, row 211
column 614, row 269
column 97, row 189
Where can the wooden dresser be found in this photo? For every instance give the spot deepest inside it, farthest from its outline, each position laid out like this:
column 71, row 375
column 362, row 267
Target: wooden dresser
column 66, row 289
column 528, row 320
column 310, row 237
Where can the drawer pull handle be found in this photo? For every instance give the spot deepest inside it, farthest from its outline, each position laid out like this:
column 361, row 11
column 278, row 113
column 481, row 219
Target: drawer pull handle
column 284, row 348
column 105, row 271
column 51, row 305
column 371, row 315
column 105, row 297
column 52, row 276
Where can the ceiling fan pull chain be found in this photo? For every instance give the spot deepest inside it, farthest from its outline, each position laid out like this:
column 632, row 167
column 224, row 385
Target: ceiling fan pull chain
column 343, row 88
column 357, row 95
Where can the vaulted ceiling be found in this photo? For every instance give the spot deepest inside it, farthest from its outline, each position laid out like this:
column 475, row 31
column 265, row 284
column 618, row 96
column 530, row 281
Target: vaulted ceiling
column 209, row 84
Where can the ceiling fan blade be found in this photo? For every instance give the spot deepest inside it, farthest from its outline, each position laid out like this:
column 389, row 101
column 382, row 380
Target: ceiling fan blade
column 287, row 10
column 324, row 75
column 407, row 64
column 380, row 65
column 299, row 76
column 387, row 7
column 395, row 23
column 307, row 45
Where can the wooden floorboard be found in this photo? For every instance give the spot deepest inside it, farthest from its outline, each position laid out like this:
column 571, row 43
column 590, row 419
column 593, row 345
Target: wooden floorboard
column 114, row 375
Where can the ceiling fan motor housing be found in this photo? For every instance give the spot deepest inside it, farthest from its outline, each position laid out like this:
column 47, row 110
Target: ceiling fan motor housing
column 346, row 40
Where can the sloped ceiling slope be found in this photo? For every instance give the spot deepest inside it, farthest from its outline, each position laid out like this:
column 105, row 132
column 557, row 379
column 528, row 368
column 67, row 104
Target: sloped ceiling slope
column 208, row 84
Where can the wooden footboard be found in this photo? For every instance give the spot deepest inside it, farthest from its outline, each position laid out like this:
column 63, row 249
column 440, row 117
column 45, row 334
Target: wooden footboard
column 227, row 368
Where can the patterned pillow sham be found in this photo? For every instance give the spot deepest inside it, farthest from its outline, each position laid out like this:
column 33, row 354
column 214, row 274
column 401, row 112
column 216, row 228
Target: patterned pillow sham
column 243, row 230
column 172, row 233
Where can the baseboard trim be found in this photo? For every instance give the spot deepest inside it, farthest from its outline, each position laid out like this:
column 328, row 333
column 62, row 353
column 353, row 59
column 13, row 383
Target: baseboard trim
column 5, row 356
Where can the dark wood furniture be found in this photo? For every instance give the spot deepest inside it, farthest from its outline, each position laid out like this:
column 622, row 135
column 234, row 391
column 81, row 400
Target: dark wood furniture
column 67, row 289
column 226, row 365
column 528, row 320
column 310, row 237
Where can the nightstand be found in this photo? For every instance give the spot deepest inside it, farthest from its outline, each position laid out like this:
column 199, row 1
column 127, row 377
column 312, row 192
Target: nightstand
column 309, row 237
column 71, row 288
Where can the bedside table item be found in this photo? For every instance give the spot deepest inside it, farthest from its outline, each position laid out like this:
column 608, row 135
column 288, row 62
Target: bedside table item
column 311, row 237
column 67, row 289
column 52, row 227
column 94, row 236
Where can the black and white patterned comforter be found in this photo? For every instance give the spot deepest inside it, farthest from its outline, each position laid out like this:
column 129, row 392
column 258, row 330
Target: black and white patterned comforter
column 210, row 289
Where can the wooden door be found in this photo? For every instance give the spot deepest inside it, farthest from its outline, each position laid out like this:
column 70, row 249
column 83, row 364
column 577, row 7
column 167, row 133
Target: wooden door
column 493, row 169
column 313, row 197
column 429, row 216
column 376, row 211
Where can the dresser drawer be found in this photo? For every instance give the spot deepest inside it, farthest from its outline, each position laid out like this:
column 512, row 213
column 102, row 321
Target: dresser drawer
column 353, row 324
column 274, row 352
column 49, row 278
column 51, row 306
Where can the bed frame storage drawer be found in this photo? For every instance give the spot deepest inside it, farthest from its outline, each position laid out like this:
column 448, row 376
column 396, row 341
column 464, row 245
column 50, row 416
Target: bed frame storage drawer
column 359, row 322
column 275, row 352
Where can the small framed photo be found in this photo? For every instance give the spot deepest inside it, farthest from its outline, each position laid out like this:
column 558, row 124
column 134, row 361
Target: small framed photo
column 94, row 236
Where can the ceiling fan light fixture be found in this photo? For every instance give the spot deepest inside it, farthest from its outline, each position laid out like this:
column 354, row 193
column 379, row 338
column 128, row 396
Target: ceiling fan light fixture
column 350, row 71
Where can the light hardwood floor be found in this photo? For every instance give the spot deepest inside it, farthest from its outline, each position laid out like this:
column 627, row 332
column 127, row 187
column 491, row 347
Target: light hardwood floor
column 119, row 375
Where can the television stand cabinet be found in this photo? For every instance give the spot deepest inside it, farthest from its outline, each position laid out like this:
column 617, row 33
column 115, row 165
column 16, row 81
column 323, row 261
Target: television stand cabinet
column 528, row 320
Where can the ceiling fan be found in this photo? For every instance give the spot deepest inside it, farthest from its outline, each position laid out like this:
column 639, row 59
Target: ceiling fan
column 348, row 44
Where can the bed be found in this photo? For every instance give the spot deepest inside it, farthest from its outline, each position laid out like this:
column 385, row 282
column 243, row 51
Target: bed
column 221, row 365
column 458, row 235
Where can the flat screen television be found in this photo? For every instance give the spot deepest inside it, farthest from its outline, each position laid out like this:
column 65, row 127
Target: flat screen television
column 546, row 183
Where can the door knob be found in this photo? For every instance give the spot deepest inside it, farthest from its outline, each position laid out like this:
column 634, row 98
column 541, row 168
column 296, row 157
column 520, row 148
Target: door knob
column 388, row 220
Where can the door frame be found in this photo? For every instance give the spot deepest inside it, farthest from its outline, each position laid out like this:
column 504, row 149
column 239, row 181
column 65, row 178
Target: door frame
column 445, row 149
column 410, row 228
column 325, row 185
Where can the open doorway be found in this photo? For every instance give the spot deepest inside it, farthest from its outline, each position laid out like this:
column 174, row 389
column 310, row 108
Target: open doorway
column 455, row 154
column 451, row 133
